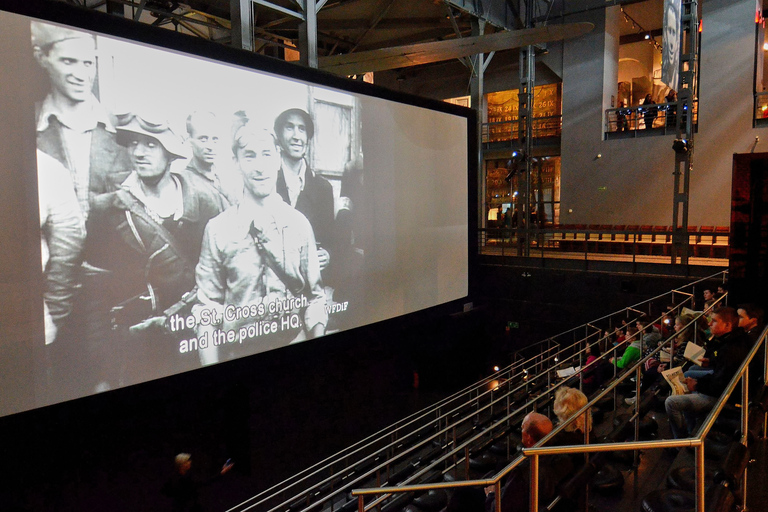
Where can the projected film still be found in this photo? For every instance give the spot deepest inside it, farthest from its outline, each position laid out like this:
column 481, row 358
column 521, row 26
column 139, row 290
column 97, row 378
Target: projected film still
column 194, row 212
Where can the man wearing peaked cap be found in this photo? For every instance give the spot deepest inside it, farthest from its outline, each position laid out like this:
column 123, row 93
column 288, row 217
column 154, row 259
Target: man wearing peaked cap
column 72, row 126
column 147, row 235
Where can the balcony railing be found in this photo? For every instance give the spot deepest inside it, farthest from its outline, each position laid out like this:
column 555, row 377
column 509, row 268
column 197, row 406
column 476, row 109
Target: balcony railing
column 708, row 244
column 659, row 118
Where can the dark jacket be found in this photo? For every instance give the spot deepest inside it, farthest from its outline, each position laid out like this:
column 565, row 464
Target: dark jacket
column 131, row 246
column 316, row 203
column 732, row 349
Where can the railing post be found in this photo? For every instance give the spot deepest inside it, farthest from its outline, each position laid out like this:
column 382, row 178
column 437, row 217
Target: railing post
column 700, row 477
column 744, row 429
column 534, row 461
column 466, row 462
column 497, row 496
column 360, row 504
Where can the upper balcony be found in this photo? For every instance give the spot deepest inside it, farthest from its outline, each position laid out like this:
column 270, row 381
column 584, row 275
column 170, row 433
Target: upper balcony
column 642, row 121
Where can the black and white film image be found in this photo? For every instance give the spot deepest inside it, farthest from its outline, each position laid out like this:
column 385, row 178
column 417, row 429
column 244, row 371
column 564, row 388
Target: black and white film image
column 190, row 212
column 670, row 62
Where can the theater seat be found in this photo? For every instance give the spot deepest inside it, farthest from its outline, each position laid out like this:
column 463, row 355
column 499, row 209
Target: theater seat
column 669, row 500
column 720, row 499
column 648, row 427
column 733, row 465
column 483, row 462
column 608, row 480
column 684, row 478
column 431, row 501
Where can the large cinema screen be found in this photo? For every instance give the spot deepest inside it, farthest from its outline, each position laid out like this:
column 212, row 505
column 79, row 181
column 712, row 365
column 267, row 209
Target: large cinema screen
column 163, row 212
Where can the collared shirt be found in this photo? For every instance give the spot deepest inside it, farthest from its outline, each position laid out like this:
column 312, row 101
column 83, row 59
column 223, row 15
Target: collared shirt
column 234, row 271
column 76, row 134
column 133, row 185
column 228, row 185
column 295, row 182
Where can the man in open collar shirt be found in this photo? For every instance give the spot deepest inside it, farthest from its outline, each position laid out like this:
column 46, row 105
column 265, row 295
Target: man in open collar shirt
column 258, row 273
column 205, row 139
column 72, row 126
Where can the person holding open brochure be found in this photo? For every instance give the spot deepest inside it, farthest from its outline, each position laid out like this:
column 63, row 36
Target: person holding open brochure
column 732, row 346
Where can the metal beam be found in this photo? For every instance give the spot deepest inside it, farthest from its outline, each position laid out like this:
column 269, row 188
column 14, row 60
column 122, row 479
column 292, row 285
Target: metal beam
column 372, row 24
column 498, row 14
column 686, row 96
column 476, row 87
column 308, row 35
column 139, row 10
column 464, row 60
column 278, row 8
column 242, row 24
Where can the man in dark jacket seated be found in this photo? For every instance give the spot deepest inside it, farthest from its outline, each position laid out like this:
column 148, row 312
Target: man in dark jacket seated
column 515, row 495
column 732, row 346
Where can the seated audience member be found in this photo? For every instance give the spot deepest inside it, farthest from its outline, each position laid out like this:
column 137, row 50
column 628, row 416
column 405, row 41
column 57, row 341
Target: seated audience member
column 649, row 332
column 722, row 289
column 567, row 402
column 751, row 320
column 653, row 367
column 515, row 494
column 633, row 352
column 730, row 349
column 593, row 375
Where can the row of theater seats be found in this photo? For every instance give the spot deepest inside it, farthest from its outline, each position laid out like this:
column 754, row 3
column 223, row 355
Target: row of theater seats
column 489, row 442
column 728, row 459
column 706, row 241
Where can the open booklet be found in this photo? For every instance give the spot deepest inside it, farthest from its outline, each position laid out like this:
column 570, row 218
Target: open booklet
column 567, row 372
column 674, row 377
column 694, row 353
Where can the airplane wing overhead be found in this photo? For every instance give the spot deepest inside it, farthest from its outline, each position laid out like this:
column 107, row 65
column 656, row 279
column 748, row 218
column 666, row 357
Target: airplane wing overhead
column 425, row 53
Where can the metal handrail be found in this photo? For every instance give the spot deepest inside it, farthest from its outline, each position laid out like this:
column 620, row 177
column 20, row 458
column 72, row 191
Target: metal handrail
column 698, row 441
column 413, row 421
column 421, row 415
column 539, row 449
column 549, row 241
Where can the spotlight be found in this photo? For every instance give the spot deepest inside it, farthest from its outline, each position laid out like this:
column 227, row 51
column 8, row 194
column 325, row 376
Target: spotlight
column 495, row 368
column 647, row 36
column 681, row 145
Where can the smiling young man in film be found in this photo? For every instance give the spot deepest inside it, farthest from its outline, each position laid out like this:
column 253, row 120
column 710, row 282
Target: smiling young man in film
column 72, row 126
column 258, row 278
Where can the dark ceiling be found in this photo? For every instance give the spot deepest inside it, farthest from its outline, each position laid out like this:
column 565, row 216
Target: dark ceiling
column 346, row 26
